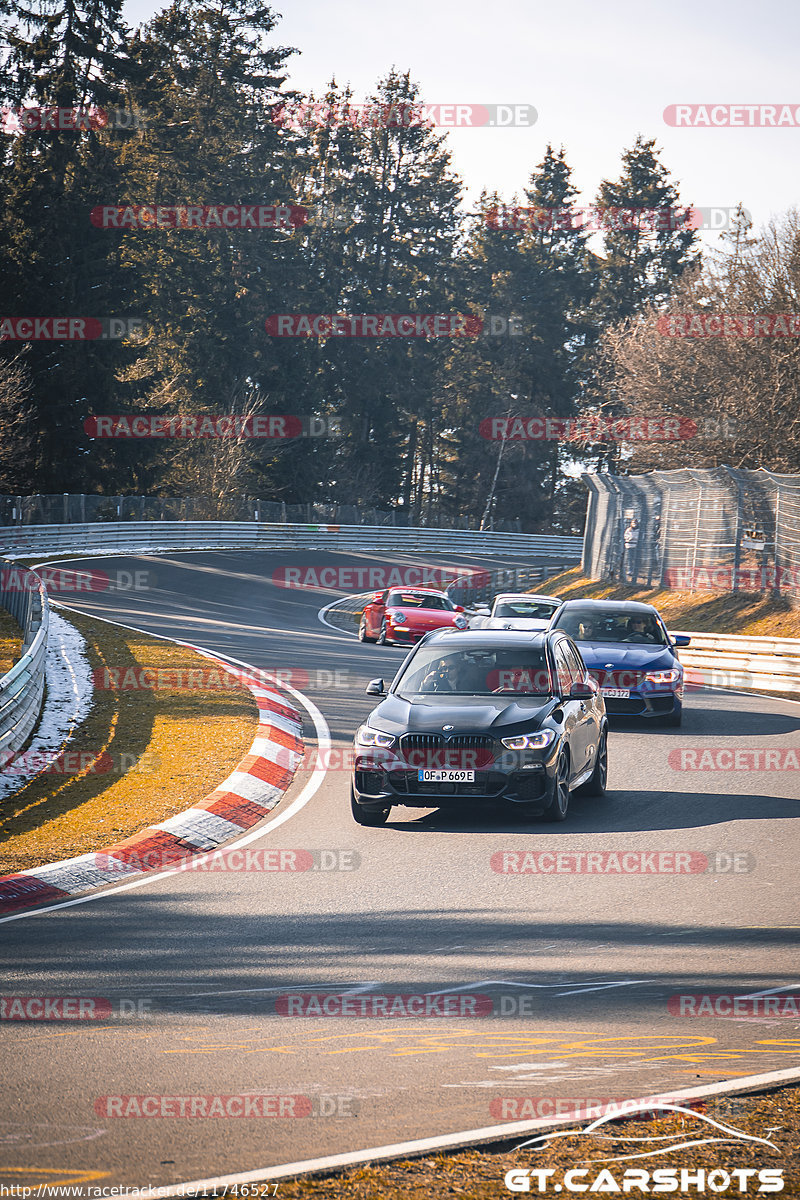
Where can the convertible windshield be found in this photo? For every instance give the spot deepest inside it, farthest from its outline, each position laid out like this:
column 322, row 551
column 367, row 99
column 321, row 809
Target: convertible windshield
column 418, row 600
column 538, row 609
column 476, row 673
column 610, row 625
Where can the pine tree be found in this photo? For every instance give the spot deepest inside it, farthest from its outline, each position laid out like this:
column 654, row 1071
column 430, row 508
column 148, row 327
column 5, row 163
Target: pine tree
column 67, row 55
column 642, row 262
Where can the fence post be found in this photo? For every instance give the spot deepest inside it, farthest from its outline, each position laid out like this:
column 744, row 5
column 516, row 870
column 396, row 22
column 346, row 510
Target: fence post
column 776, row 587
column 737, row 546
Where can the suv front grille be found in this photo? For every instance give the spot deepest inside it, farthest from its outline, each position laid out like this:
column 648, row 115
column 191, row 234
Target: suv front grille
column 470, row 751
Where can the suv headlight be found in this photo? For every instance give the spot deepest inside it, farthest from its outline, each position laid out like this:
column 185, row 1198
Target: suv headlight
column 461, row 621
column 367, row 736
column 530, row 741
column 671, row 676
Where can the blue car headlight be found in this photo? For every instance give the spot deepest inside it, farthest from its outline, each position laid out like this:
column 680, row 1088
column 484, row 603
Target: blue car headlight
column 671, row 676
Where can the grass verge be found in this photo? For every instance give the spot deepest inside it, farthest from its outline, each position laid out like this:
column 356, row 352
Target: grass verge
column 479, row 1174
column 10, row 641
column 142, row 755
column 700, row 612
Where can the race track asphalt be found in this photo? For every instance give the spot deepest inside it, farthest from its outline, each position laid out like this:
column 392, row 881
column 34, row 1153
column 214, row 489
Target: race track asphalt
column 580, row 966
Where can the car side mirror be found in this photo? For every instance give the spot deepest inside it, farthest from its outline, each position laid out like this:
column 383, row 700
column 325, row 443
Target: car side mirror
column 482, row 610
column 581, row 691
column 680, row 639
column 376, row 687
column 459, row 608
column 377, row 598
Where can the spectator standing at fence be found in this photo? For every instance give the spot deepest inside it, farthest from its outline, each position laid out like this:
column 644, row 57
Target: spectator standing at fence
column 630, row 539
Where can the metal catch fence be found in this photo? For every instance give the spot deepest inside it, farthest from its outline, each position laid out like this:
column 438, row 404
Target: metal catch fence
column 722, row 529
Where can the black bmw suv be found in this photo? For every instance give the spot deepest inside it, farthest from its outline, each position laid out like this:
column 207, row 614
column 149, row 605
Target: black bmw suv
column 495, row 717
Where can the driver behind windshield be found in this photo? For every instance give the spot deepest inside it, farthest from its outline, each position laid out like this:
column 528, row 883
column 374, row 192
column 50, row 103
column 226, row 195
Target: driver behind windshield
column 641, row 629
column 447, row 675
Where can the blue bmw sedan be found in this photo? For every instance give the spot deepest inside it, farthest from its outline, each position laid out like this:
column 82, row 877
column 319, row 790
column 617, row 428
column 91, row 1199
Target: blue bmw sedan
column 627, row 649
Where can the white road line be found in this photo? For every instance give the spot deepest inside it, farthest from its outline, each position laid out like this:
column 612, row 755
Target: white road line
column 454, row 1141
column 321, row 617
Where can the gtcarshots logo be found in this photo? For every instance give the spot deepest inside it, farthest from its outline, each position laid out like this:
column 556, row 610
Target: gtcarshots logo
column 639, row 1179
column 70, row 1008
column 247, row 1105
column 199, row 216
column 663, row 1179
column 621, row 862
column 319, row 1004
column 723, row 1005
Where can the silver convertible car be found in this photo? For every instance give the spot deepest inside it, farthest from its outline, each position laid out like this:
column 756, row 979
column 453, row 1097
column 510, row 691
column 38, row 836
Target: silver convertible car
column 515, row 610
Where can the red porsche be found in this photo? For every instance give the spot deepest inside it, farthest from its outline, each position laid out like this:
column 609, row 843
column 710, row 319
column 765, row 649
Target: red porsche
column 400, row 616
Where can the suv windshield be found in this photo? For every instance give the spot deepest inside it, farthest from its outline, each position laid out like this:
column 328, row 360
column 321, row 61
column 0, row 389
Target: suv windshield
column 418, row 600
column 476, row 673
column 610, row 625
column 539, row 609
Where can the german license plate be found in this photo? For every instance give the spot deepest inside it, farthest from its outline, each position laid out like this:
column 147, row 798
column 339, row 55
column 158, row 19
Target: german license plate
column 445, row 776
column 617, row 693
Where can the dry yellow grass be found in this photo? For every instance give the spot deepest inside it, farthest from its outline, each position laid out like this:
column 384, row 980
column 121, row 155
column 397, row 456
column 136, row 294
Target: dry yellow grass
column 10, row 641
column 186, row 741
column 702, row 612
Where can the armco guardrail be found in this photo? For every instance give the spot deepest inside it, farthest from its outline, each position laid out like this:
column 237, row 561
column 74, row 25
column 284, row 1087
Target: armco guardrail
column 131, row 536
column 23, row 594
column 728, row 660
